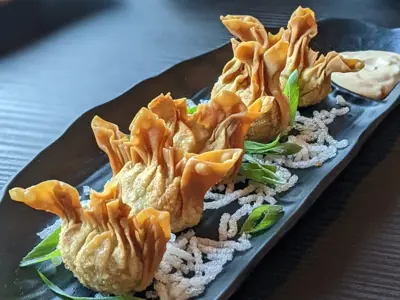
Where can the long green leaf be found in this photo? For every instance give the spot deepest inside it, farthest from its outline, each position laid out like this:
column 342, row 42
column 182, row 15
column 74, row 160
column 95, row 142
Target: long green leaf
column 271, row 148
column 254, row 172
column 262, row 218
column 262, row 169
column 250, row 159
column 43, row 251
column 292, row 91
column 61, row 293
column 259, row 148
column 285, row 149
column 51, row 255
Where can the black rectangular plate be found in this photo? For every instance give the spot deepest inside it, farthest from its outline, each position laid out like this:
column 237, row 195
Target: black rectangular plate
column 76, row 159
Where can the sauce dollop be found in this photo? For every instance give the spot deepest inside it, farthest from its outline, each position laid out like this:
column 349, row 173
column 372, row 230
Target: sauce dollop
column 379, row 76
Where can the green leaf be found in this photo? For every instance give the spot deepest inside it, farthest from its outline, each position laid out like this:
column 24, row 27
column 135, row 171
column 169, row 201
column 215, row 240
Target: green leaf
column 43, row 251
column 292, row 91
column 61, row 293
column 250, row 158
column 271, row 148
column 262, row 218
column 192, row 110
column 285, row 149
column 51, row 255
column 257, row 175
column 259, row 148
column 260, row 173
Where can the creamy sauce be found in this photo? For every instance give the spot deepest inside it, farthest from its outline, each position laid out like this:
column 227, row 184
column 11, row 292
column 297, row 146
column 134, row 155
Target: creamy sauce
column 379, row 76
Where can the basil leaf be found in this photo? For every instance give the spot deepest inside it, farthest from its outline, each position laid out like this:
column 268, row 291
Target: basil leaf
column 259, row 148
column 250, row 159
column 262, row 218
column 277, row 148
column 285, row 149
column 260, row 173
column 61, row 293
column 292, row 91
column 43, row 251
column 264, row 169
column 253, row 219
column 192, row 110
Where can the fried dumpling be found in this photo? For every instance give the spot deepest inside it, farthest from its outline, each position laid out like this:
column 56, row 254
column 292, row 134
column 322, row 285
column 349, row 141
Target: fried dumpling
column 259, row 81
column 222, row 123
column 314, row 70
column 162, row 176
column 106, row 247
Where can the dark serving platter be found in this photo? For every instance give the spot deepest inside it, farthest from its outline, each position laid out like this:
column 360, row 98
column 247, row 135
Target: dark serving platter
column 76, row 159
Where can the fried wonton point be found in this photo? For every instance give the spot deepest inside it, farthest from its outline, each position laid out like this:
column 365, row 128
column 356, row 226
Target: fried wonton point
column 106, row 247
column 112, row 141
column 248, row 28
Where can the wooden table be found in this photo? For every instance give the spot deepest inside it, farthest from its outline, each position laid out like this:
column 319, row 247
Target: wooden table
column 60, row 58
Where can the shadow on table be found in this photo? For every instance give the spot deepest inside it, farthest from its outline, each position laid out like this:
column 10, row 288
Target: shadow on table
column 311, row 259
column 25, row 21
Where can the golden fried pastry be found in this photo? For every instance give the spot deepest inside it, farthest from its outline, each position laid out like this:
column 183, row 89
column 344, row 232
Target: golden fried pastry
column 157, row 174
column 220, row 124
column 113, row 142
column 314, row 70
column 106, row 247
column 257, row 79
column 235, row 74
column 315, row 80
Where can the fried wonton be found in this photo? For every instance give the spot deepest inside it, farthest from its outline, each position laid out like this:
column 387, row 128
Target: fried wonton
column 314, row 70
column 220, row 124
column 106, row 247
column 254, row 76
column 157, row 174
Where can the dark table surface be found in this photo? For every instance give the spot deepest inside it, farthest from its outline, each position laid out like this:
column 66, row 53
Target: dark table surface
column 61, row 58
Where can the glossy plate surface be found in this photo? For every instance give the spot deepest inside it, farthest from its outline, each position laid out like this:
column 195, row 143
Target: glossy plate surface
column 76, row 159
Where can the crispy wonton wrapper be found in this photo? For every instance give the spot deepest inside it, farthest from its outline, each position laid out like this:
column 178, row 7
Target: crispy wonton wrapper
column 106, row 247
column 220, row 124
column 253, row 75
column 157, row 174
column 248, row 28
column 314, row 70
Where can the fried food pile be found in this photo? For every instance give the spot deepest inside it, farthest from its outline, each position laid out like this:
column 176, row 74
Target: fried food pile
column 162, row 168
column 116, row 243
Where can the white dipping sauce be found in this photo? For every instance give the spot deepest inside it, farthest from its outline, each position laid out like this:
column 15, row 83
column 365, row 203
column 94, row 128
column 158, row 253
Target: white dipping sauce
column 379, row 76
